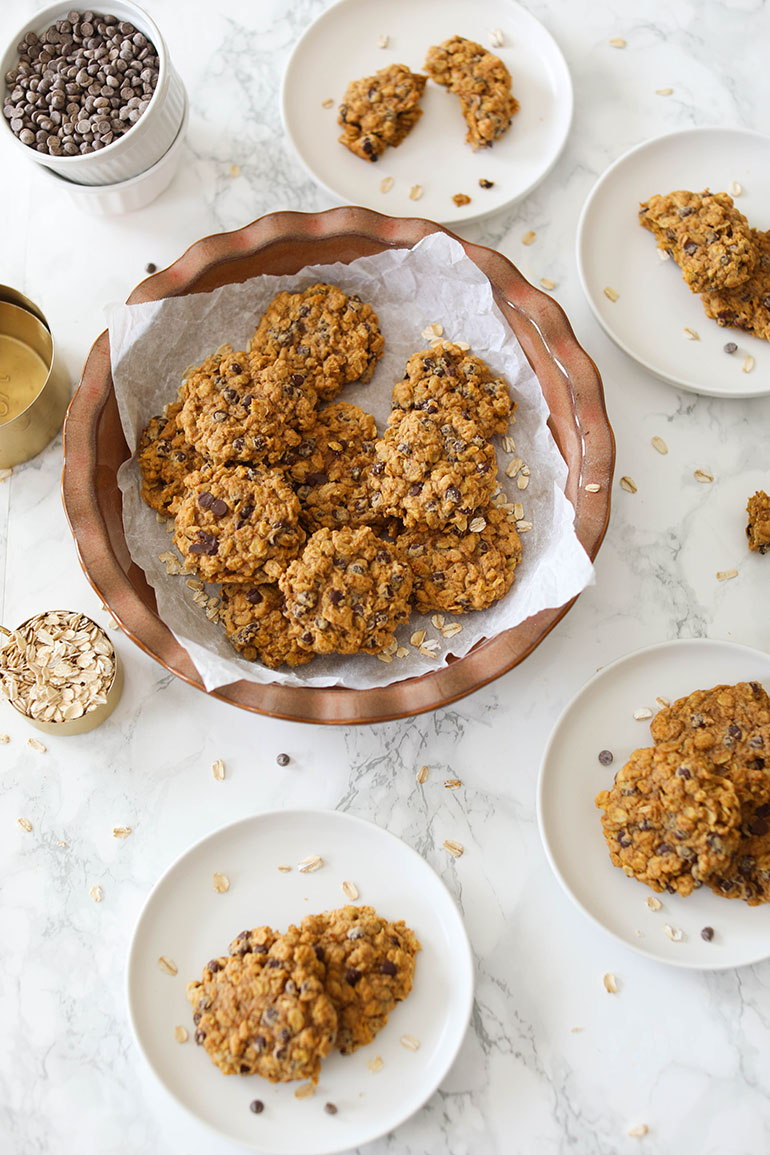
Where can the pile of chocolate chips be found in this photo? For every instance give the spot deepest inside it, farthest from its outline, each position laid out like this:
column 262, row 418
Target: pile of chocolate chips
column 80, row 85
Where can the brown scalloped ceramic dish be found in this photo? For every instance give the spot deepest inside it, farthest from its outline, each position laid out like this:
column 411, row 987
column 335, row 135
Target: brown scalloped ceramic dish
column 281, row 243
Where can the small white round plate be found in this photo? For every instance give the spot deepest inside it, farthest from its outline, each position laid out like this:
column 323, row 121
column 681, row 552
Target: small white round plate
column 342, row 45
column 186, row 920
column 601, row 717
column 655, row 306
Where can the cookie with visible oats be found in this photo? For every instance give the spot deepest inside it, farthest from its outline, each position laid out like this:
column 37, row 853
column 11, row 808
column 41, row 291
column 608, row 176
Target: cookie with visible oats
column 347, row 592
column 456, row 571
column 482, row 83
column 446, row 376
column 380, row 110
column 748, row 306
column 706, row 235
column 233, row 414
column 719, row 722
column 331, row 338
column 433, row 471
column 758, row 527
column 331, row 469
column 253, row 618
column 370, row 965
column 265, row 1011
column 747, row 875
column 165, row 459
column 670, row 820
column 238, row 524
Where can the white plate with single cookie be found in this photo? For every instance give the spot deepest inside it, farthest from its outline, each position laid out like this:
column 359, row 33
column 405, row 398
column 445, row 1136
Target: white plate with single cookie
column 601, row 718
column 356, row 38
column 640, row 299
column 187, row 921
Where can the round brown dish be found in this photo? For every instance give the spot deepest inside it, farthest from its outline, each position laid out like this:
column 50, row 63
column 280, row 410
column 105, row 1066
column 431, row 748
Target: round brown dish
column 284, row 243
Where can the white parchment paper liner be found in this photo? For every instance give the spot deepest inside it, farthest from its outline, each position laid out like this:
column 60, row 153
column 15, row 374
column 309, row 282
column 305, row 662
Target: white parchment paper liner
column 435, row 282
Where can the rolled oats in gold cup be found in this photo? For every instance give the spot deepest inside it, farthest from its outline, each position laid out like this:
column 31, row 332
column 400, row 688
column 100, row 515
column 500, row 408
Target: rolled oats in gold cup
column 34, row 387
column 60, row 671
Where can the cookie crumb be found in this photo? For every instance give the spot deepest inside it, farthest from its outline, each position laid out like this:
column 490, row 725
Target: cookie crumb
column 638, row 1132
column 484, row 183
column 653, row 903
column 121, row 831
column 461, row 199
column 529, row 237
column 220, row 882
column 673, row 932
column 376, row 1064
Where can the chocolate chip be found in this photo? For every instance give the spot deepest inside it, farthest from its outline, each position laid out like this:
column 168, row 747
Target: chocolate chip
column 236, row 368
column 206, row 500
column 199, row 1037
column 663, row 848
column 320, row 953
column 150, row 267
column 219, row 508
column 388, row 968
column 734, row 731
column 683, row 772
column 214, row 965
column 335, row 597
column 330, row 1109
column 352, row 976
column 690, row 247
column 707, row 933
column 257, row 1106
column 731, row 347
column 758, row 826
column 283, row 759
column 605, row 757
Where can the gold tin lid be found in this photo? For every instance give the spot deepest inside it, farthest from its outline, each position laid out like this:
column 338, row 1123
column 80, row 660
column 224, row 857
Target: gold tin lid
column 34, row 388
column 88, row 638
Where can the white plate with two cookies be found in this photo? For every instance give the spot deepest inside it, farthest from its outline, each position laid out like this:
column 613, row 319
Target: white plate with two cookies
column 187, row 921
column 602, row 718
column 356, row 38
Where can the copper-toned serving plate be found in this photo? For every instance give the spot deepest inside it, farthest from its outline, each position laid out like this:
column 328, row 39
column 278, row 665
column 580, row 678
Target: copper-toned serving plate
column 284, row 243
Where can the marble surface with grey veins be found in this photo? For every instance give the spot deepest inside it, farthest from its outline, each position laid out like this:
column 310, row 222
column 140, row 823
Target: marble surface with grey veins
column 684, row 1053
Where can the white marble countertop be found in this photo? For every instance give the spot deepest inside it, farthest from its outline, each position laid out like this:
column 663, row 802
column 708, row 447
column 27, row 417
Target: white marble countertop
column 685, row 1053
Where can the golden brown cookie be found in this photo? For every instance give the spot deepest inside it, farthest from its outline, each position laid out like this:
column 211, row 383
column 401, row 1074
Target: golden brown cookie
column 758, row 527
column 748, row 306
column 433, row 472
column 481, row 81
column 370, row 966
column 253, row 618
column 380, row 110
column 266, row 1011
column 165, row 459
column 456, row 571
column 747, row 876
column 347, row 593
column 331, row 338
column 719, row 722
column 446, row 376
column 705, row 234
column 238, row 524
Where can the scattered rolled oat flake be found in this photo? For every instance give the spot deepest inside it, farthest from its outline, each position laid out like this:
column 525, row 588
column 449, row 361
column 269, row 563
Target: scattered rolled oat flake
column 433, row 330
column 451, row 630
column 576, row 1030
column 461, row 199
column 628, row 484
column 663, row 255
column 653, row 903
column 734, row 188
column 311, row 863
column 218, row 769
column 529, row 237
column 328, row 103
column 617, row 42
column 638, row 1132
column 663, row 91
column 350, row 890
column 673, row 932
column 522, row 481
column 383, row 657
column 610, row 293
column 610, row 983
column 383, row 41
column 410, row 1042
column 180, row 1034
column 690, row 334
column 25, row 824
column 592, row 487
column 477, row 525
column 496, row 38
column 235, row 170
column 402, row 652
column 5, row 474
column 662, row 702
column 659, row 444
column 437, row 620
column 748, row 364
column 167, row 965
column 725, row 575
column 376, row 1064
column 422, row 774
column 284, row 869
column 547, row 283
column 220, row 882
column 643, row 713
column 305, row 1091
column 5, row 739
column 415, row 192
column 386, row 184
column 36, row 744
column 703, row 476
column 456, row 849
column 121, row 831
column 417, row 638
column 453, row 784
column 509, row 445
column 96, row 893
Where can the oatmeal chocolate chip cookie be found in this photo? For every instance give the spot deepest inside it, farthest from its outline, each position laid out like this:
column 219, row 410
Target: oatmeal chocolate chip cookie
column 706, row 235
column 234, row 414
column 447, row 376
column 165, row 459
column 455, row 570
column 238, row 524
column 253, row 618
column 748, row 306
column 669, row 820
column 332, row 469
column 433, row 472
column 758, row 527
column 481, row 81
column 370, row 965
column 265, row 1011
column 331, row 338
column 719, row 722
column 748, row 873
column 380, row 110
column 347, row 592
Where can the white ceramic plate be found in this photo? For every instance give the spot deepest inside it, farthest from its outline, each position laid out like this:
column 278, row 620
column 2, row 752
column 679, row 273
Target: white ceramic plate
column 342, row 45
column 601, row 717
column 187, row 921
column 655, row 305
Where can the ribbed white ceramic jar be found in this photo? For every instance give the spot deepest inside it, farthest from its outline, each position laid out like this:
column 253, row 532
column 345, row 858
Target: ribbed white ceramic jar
column 145, row 142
